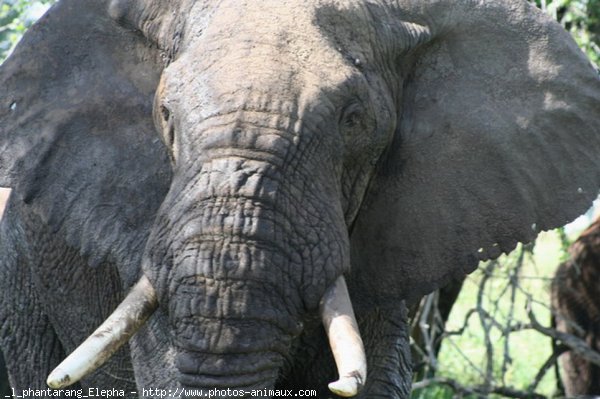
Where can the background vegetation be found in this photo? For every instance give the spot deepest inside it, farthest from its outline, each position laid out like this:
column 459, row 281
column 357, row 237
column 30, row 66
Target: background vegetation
column 15, row 17
column 581, row 18
column 490, row 345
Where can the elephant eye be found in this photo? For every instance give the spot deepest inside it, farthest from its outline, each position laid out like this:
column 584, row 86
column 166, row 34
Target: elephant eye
column 167, row 126
column 358, row 129
column 165, row 113
column 352, row 116
column 352, row 120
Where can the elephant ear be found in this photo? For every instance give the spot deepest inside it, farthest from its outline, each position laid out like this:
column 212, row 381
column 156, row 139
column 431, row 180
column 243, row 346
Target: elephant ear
column 498, row 140
column 77, row 142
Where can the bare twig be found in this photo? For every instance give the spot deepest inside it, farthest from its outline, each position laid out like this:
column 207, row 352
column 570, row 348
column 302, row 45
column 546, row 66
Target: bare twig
column 575, row 343
column 496, row 311
column 428, row 329
column 467, row 359
column 481, row 391
column 462, row 329
column 551, row 361
column 484, row 318
column 514, row 284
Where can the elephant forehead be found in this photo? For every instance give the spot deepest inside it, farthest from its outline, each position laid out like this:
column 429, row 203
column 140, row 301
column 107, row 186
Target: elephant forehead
column 219, row 75
column 297, row 31
column 241, row 20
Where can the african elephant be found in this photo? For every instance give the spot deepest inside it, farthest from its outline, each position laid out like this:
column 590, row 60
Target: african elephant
column 256, row 169
column 576, row 310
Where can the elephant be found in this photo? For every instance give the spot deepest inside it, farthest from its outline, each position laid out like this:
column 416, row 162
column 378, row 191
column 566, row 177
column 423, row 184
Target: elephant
column 218, row 195
column 576, row 310
column 5, row 390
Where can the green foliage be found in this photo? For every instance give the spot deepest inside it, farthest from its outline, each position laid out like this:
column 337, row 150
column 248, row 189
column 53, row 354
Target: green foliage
column 433, row 392
column 491, row 347
column 582, row 19
column 15, row 17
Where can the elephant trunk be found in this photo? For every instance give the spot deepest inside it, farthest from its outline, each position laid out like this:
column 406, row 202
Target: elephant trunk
column 235, row 289
column 237, row 261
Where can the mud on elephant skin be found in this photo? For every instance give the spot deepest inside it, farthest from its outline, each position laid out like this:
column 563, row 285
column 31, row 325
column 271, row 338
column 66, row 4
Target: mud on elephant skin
column 245, row 161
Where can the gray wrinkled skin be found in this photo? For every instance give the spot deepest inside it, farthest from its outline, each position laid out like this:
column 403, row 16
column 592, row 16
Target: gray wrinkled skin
column 243, row 155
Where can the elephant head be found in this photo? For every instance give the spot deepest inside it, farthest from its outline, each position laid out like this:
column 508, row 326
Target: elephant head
column 240, row 158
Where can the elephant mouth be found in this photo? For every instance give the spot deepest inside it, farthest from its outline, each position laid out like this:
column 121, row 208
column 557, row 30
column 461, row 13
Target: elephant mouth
column 201, row 370
column 245, row 382
column 335, row 310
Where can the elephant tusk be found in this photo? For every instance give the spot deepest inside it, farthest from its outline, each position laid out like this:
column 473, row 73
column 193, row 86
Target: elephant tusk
column 124, row 322
column 344, row 339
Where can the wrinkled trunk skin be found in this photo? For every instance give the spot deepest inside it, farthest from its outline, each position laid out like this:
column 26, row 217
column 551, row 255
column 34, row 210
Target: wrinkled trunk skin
column 231, row 304
column 253, row 230
column 237, row 264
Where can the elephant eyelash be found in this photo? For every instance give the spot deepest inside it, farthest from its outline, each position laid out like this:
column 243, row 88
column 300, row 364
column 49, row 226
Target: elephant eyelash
column 164, row 111
column 168, row 124
column 352, row 115
column 171, row 134
column 168, row 131
column 352, row 119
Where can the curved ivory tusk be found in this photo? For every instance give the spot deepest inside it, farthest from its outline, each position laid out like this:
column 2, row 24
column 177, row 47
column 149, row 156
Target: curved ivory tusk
column 344, row 339
column 127, row 318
